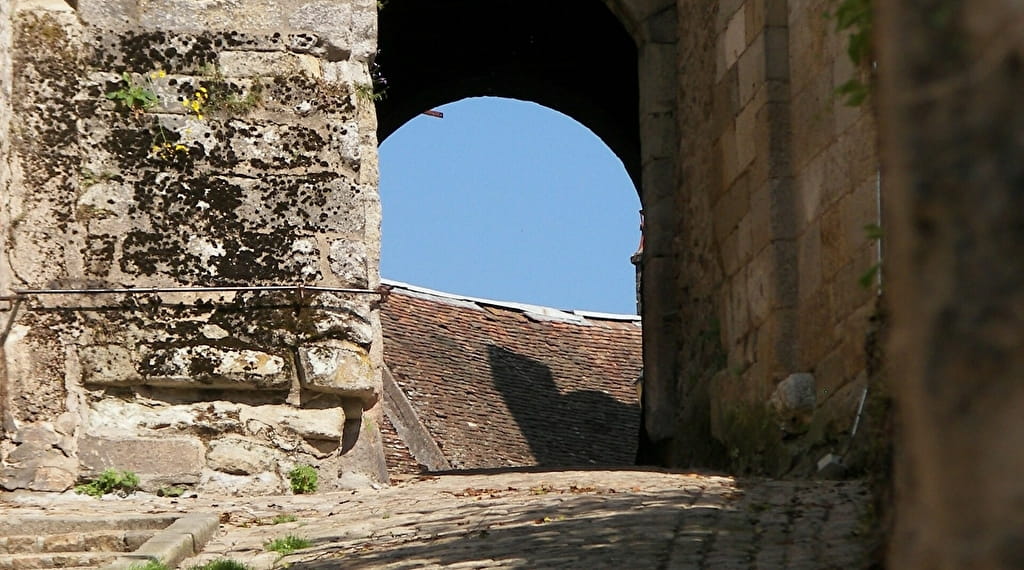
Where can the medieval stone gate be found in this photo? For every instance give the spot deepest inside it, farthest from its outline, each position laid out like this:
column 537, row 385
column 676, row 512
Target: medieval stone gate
column 172, row 147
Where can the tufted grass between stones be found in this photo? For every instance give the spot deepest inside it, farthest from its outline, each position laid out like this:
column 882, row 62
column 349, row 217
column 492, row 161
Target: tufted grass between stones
column 151, row 565
column 287, row 544
column 222, row 564
column 110, row 481
column 303, row 479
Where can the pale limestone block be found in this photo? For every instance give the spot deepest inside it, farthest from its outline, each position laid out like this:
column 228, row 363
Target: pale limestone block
column 265, row 483
column 735, row 37
column 318, row 424
column 38, row 467
column 267, row 64
column 177, row 459
column 43, row 6
column 204, row 366
column 658, row 81
column 334, row 316
column 720, row 67
column 730, row 208
column 111, row 14
column 737, row 317
column 190, row 15
column 730, row 161
column 346, row 72
column 751, row 69
column 108, row 365
column 240, row 456
column 810, row 187
column 338, row 367
column 347, row 260
column 746, row 136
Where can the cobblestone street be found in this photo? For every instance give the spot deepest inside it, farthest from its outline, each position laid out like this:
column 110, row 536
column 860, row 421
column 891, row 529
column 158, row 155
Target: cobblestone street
column 571, row 519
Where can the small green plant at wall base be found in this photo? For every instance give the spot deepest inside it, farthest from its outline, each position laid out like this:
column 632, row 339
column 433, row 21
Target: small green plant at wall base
column 134, row 97
column 281, row 519
column 367, row 92
column 171, row 491
column 151, row 565
column 110, row 481
column 303, row 479
column 288, row 544
column 222, row 564
column 222, row 95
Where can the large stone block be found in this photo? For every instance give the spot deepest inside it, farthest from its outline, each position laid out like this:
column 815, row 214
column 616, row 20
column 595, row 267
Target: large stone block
column 37, row 462
column 735, row 39
column 348, row 262
column 334, row 316
column 205, row 366
column 268, row 64
column 169, row 459
column 752, row 70
column 240, row 456
column 327, row 424
column 107, row 365
column 338, row 367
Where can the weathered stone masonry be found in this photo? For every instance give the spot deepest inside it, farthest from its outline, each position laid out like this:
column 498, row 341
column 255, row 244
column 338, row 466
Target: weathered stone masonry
column 753, row 257
column 271, row 180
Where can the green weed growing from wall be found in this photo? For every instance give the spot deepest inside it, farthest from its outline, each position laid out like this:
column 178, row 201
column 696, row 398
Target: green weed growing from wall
column 854, row 17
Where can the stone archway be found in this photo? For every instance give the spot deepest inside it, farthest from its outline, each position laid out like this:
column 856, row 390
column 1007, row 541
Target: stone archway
column 577, row 59
column 607, row 65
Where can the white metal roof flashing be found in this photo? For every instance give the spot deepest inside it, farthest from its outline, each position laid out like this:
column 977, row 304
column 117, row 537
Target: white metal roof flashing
column 534, row 312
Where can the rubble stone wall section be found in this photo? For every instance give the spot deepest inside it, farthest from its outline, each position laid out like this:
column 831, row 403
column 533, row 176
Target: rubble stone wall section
column 179, row 144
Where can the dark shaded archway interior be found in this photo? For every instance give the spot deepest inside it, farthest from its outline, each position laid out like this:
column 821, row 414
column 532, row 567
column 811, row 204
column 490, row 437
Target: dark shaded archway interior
column 572, row 56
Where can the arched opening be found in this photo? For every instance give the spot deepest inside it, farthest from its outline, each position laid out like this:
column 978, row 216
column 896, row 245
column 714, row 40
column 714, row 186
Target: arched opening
column 506, row 199
column 578, row 60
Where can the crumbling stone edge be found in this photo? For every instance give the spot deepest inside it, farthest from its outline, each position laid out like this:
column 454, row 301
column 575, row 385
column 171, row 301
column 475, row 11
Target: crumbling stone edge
column 185, row 537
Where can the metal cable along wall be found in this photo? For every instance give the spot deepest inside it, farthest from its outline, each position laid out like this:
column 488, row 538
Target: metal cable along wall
column 20, row 295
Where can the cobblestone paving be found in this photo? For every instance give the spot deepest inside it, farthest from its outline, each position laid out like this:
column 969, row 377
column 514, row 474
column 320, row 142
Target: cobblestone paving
column 566, row 519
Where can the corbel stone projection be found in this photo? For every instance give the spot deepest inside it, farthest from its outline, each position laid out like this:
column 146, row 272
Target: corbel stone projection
column 250, row 160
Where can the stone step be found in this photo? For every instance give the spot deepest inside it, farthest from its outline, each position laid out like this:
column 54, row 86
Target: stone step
column 41, row 524
column 56, row 560
column 87, row 541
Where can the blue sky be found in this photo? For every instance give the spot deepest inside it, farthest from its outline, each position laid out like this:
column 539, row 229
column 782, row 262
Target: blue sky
column 512, row 201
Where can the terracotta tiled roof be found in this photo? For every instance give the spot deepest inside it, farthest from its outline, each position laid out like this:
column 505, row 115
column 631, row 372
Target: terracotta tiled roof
column 500, row 384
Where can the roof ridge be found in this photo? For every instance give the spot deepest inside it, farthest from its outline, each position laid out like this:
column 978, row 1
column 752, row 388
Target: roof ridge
column 540, row 311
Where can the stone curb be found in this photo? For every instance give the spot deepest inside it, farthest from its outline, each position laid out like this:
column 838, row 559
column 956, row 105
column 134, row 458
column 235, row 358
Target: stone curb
column 185, row 537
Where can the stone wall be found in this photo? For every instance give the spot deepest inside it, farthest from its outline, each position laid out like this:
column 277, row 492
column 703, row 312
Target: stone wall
column 254, row 164
column 776, row 182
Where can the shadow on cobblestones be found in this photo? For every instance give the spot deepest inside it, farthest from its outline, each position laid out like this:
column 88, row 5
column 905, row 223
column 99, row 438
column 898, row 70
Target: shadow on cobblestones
column 689, row 527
